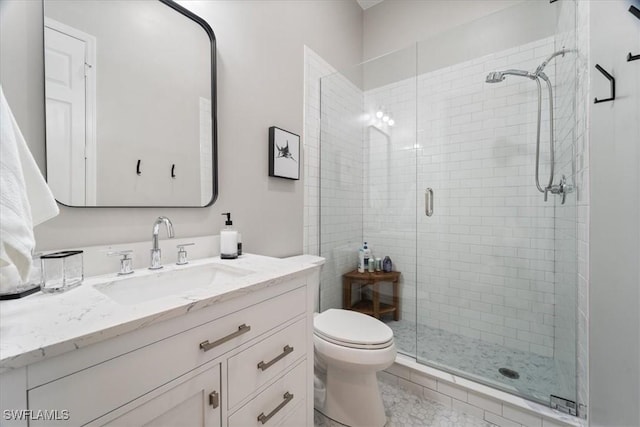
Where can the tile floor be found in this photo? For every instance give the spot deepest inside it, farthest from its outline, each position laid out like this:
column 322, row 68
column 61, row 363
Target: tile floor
column 405, row 409
column 539, row 376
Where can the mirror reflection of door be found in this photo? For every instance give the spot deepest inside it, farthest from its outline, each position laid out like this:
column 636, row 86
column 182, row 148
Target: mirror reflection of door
column 70, row 91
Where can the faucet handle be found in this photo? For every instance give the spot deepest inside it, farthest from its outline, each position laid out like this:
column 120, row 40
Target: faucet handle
column 126, row 263
column 182, row 253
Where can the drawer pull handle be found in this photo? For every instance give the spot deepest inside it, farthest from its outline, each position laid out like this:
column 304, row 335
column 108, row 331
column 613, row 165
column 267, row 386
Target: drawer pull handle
column 286, row 350
column 288, row 397
column 242, row 329
column 214, row 399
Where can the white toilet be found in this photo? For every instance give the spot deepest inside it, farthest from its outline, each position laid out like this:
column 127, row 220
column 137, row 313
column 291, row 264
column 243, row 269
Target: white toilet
column 352, row 347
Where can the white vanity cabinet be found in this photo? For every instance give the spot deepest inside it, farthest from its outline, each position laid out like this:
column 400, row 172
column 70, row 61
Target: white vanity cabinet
column 244, row 362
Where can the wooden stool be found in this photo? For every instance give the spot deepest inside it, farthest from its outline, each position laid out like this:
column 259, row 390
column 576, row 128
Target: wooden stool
column 373, row 308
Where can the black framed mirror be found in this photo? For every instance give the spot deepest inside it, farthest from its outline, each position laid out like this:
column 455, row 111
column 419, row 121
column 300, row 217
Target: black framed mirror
column 130, row 92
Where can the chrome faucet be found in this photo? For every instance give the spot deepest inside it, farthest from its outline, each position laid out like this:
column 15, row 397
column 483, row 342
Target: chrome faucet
column 155, row 250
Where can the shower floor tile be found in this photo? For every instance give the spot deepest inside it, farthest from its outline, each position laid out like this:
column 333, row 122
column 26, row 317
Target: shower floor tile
column 540, row 376
column 405, row 409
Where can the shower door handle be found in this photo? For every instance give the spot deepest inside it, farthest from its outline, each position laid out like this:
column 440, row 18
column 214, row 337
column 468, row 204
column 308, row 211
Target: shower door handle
column 428, row 202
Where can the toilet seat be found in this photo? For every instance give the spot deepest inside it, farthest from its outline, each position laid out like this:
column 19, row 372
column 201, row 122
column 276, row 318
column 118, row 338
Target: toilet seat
column 355, row 346
column 352, row 329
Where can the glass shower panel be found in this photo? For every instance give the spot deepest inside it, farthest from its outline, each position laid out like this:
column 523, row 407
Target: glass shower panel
column 389, row 210
column 341, row 187
column 567, row 157
column 367, row 192
column 487, row 282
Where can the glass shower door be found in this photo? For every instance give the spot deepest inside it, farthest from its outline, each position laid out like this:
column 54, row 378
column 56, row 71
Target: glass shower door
column 491, row 298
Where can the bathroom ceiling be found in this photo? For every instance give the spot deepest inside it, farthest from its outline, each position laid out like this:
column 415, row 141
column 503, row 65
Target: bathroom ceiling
column 366, row 4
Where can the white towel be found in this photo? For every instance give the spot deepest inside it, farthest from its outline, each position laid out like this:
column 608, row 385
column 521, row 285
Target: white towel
column 25, row 198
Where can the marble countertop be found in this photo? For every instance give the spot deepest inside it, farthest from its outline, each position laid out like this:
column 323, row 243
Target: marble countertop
column 46, row 325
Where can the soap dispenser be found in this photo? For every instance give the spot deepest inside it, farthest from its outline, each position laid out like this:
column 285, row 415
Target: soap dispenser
column 228, row 240
column 367, row 257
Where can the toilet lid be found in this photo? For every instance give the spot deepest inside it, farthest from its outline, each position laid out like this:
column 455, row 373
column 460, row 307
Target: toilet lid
column 351, row 328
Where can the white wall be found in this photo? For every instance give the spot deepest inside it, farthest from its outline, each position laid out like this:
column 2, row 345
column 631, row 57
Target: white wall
column 393, row 25
column 260, row 84
column 614, row 299
column 484, row 32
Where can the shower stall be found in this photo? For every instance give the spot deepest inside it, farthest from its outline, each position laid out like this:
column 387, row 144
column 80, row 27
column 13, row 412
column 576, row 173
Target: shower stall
column 469, row 188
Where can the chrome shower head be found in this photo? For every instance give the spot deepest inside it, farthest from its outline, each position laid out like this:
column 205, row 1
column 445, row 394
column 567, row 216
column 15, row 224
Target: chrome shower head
column 498, row 76
column 495, row 77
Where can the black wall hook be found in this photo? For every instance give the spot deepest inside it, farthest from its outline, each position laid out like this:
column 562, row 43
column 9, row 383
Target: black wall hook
column 173, row 168
column 138, row 172
column 612, row 82
column 635, row 12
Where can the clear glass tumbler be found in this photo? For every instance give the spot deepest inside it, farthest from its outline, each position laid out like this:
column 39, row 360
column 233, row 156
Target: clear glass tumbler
column 61, row 271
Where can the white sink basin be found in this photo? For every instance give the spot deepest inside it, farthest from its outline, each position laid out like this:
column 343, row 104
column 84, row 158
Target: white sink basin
column 142, row 287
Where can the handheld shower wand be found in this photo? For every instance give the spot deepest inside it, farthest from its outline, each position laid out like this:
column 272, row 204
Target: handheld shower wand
column 498, row 76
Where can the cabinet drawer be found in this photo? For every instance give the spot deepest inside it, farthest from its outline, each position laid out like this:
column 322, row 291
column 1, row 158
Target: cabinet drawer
column 297, row 419
column 267, row 359
column 185, row 401
column 275, row 403
column 92, row 392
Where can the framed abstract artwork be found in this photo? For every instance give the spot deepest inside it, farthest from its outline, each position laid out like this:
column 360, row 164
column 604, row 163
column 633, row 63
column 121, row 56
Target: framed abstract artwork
column 284, row 154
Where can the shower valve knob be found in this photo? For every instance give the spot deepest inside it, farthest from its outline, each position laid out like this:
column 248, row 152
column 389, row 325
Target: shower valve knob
column 562, row 188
